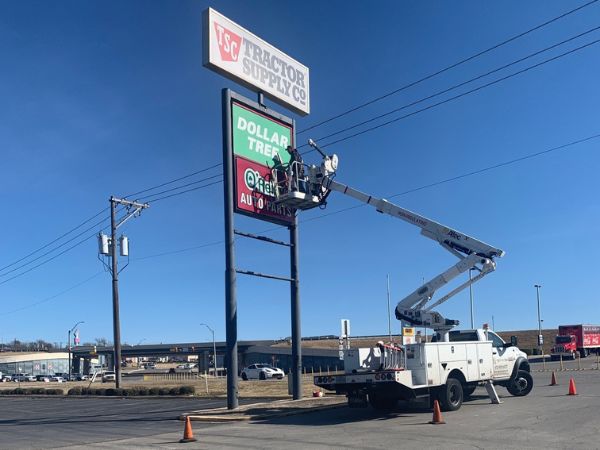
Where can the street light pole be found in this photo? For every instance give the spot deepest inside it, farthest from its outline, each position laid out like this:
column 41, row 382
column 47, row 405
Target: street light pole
column 69, row 345
column 540, row 337
column 214, row 349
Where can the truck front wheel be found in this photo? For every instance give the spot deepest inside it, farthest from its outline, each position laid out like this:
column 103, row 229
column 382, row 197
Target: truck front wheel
column 521, row 385
column 451, row 395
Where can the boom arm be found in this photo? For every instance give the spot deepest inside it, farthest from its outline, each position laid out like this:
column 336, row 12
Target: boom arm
column 414, row 308
column 472, row 252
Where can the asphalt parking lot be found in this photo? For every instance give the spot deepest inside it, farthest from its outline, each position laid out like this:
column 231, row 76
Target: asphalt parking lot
column 547, row 418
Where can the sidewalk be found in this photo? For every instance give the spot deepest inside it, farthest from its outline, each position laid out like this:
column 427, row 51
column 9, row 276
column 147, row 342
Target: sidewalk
column 259, row 411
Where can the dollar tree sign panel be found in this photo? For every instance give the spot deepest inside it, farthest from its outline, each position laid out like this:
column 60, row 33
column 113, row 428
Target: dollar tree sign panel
column 259, row 141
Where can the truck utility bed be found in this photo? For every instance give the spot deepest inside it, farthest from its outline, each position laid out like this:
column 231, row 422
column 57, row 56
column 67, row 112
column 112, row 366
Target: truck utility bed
column 426, row 365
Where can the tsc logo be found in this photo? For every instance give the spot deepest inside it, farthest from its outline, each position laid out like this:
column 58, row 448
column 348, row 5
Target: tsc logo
column 229, row 43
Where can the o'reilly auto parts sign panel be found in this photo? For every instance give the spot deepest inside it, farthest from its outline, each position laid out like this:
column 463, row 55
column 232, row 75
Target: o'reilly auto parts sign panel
column 257, row 139
column 243, row 57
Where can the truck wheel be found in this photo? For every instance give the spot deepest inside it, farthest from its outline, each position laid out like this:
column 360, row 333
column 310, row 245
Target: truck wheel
column 583, row 353
column 468, row 389
column 451, row 395
column 381, row 402
column 521, row 385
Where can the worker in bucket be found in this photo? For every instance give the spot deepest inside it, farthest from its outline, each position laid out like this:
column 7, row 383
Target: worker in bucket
column 296, row 170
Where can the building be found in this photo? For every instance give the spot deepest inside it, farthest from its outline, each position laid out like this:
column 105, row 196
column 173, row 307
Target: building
column 38, row 363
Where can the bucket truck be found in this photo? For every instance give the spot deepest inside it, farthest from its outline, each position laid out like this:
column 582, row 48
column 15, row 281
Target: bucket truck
column 451, row 366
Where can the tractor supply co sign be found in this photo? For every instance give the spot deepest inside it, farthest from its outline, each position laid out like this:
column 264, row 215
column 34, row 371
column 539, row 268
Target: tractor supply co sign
column 243, row 57
column 259, row 141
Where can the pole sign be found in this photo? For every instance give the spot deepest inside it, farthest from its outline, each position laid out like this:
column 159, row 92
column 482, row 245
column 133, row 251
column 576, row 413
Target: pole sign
column 259, row 139
column 239, row 55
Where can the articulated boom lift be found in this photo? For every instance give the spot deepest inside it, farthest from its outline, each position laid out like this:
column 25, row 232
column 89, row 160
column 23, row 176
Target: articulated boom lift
column 311, row 190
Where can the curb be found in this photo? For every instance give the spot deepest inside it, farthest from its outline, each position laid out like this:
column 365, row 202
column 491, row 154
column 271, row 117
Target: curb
column 240, row 417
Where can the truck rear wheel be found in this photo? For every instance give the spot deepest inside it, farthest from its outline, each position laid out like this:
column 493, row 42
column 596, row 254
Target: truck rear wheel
column 451, row 395
column 382, row 402
column 583, row 353
column 521, row 385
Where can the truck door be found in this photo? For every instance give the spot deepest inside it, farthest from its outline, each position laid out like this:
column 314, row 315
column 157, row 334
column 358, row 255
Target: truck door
column 503, row 357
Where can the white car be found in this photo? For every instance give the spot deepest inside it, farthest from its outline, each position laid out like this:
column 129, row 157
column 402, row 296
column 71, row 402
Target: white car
column 57, row 379
column 261, row 372
column 109, row 376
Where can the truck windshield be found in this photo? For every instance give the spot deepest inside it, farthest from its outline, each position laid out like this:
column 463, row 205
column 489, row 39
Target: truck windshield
column 563, row 339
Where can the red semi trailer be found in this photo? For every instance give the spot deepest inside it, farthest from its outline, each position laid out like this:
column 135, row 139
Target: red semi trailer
column 574, row 340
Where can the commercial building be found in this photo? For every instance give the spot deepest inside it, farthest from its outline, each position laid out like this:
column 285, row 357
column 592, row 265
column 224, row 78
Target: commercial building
column 38, row 363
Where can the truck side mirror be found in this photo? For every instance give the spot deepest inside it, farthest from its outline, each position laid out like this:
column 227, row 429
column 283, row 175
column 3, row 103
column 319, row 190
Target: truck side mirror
column 514, row 341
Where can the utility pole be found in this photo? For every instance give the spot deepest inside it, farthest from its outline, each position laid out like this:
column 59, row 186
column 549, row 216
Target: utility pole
column 540, row 336
column 133, row 209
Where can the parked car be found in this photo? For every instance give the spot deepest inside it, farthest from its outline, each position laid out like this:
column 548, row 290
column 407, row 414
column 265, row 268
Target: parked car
column 65, row 376
column 43, row 378
column 5, row 378
column 109, row 376
column 82, row 377
column 57, row 379
column 23, row 377
column 261, row 372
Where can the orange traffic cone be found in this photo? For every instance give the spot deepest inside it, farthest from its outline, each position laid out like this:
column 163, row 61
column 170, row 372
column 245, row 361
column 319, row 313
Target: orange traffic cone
column 572, row 388
column 188, row 435
column 437, row 414
column 553, row 380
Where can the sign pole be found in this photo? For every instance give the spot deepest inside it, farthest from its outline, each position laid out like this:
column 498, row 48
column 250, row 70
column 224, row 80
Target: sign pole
column 295, row 307
column 230, row 275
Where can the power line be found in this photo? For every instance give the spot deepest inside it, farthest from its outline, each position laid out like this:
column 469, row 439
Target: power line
column 454, row 178
column 52, row 250
column 186, row 191
column 464, row 94
column 88, row 238
column 452, row 66
column 53, row 241
column 456, row 86
column 96, row 224
column 322, row 216
column 175, row 180
column 145, row 199
column 31, row 305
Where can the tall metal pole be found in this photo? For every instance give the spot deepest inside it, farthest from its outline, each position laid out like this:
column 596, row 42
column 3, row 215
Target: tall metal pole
column 471, row 297
column 230, row 275
column 115, row 293
column 214, row 348
column 69, row 346
column 389, row 311
column 540, row 338
column 295, row 307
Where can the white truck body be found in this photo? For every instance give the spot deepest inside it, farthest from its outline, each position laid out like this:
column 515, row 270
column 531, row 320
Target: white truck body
column 427, row 366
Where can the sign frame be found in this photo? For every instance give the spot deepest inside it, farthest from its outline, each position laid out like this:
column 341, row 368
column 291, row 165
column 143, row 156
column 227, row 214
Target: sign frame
column 262, row 68
column 236, row 159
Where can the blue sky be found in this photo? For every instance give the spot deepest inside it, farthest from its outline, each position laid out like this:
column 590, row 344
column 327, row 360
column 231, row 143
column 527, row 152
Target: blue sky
column 108, row 98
